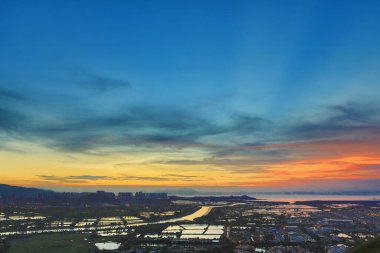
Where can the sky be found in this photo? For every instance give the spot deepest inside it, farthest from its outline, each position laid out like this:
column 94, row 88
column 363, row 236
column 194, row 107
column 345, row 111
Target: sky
column 272, row 95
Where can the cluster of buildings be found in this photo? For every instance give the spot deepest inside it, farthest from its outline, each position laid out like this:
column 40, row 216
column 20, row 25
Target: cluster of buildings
column 126, row 196
column 297, row 228
column 98, row 196
column 110, row 196
column 142, row 195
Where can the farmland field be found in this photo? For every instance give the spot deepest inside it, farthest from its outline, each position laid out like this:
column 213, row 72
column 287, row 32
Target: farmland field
column 57, row 243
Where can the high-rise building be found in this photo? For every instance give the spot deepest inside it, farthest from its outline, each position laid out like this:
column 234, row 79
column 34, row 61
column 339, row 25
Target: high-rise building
column 125, row 195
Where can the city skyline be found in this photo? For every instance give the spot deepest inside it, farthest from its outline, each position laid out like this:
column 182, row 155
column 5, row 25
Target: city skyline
column 196, row 94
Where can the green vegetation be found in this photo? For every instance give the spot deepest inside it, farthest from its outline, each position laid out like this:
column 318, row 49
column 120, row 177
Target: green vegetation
column 372, row 246
column 54, row 243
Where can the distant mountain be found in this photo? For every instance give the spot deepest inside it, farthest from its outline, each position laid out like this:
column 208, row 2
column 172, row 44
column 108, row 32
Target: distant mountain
column 22, row 192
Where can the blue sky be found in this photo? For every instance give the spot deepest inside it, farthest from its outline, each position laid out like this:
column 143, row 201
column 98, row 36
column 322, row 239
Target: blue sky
column 215, row 76
column 280, row 55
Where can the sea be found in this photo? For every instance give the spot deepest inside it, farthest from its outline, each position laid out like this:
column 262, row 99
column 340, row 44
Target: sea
column 309, row 197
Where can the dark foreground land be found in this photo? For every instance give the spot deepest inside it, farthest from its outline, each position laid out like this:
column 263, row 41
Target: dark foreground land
column 59, row 243
column 237, row 224
column 372, row 246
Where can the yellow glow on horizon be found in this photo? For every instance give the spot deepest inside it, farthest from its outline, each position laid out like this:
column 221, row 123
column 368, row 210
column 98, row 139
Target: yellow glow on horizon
column 46, row 167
